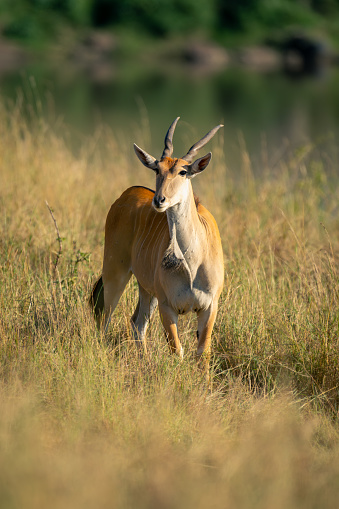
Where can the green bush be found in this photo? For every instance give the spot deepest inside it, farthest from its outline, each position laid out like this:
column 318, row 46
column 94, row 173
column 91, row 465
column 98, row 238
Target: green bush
column 31, row 19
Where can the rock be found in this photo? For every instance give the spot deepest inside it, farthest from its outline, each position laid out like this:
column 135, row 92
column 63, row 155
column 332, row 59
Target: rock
column 205, row 55
column 93, row 54
column 303, row 55
column 12, row 57
column 260, row 58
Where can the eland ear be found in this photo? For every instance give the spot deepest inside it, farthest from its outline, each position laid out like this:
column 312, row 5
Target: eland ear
column 199, row 165
column 146, row 159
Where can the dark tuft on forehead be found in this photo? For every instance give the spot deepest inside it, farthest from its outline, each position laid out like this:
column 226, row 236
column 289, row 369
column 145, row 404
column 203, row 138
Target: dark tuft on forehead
column 174, row 164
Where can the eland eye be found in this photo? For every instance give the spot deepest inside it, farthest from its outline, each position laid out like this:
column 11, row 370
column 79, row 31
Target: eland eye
column 183, row 173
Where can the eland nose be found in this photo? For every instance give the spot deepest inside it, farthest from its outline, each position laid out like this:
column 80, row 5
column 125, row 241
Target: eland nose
column 159, row 201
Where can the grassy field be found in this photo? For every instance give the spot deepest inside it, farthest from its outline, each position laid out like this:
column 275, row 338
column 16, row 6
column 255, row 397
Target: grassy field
column 85, row 422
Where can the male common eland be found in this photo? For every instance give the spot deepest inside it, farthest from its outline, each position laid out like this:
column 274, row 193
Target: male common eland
column 171, row 243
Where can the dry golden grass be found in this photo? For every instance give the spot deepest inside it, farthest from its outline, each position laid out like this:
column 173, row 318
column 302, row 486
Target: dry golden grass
column 84, row 421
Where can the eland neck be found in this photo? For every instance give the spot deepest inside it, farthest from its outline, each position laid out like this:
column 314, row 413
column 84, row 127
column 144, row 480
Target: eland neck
column 185, row 228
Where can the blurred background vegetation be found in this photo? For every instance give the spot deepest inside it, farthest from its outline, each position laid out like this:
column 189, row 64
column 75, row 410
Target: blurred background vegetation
column 42, row 20
column 143, row 62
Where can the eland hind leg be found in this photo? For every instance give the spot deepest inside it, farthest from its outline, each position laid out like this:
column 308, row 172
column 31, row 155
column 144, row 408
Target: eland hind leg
column 114, row 285
column 96, row 301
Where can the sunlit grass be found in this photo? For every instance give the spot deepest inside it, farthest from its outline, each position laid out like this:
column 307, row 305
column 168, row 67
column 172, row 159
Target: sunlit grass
column 85, row 421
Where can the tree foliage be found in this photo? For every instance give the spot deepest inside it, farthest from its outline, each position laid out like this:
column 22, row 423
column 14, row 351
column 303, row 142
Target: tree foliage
column 29, row 19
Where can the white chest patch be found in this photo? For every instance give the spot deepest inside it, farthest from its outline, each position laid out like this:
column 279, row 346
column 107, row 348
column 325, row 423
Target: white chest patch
column 181, row 287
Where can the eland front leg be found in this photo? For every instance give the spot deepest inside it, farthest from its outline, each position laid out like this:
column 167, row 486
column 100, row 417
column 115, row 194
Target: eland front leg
column 206, row 319
column 169, row 320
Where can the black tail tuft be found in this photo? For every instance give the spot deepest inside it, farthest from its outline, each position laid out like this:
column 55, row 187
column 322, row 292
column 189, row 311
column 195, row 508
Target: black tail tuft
column 96, row 300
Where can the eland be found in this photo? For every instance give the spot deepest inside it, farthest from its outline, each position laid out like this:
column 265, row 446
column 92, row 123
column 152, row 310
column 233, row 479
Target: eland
column 171, row 243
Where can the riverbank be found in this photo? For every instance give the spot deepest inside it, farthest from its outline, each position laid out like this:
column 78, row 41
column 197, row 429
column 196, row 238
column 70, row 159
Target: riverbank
column 98, row 53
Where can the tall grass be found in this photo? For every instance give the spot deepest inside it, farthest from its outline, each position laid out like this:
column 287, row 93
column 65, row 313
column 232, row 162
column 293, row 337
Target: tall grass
column 86, row 422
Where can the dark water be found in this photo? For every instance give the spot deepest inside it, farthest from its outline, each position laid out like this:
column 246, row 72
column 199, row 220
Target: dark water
column 266, row 112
